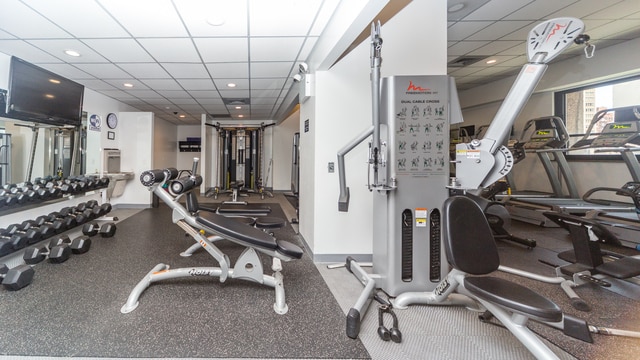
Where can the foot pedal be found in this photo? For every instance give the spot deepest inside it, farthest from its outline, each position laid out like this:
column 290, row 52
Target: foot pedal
column 594, row 280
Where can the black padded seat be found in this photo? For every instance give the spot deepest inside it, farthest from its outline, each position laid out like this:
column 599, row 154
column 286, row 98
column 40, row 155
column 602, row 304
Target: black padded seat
column 243, row 209
column 231, row 228
column 245, row 220
column 270, row 222
column 290, row 249
column 514, row 297
column 623, row 268
column 228, row 227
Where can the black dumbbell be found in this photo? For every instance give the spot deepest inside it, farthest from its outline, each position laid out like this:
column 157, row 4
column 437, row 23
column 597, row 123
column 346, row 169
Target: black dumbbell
column 58, row 225
column 10, row 243
column 46, row 231
column 57, row 254
column 32, row 235
column 81, row 218
column 16, row 278
column 79, row 245
column 108, row 229
column 91, row 228
column 69, row 222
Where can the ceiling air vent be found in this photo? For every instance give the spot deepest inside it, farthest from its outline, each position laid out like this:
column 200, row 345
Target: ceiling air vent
column 236, row 101
column 220, row 116
column 463, row 61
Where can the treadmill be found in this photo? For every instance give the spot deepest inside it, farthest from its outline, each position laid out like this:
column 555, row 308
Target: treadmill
column 548, row 132
column 622, row 135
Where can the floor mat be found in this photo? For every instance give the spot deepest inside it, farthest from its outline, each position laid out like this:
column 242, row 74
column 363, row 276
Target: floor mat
column 73, row 309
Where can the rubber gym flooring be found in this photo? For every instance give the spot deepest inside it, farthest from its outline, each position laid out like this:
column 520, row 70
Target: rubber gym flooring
column 72, row 310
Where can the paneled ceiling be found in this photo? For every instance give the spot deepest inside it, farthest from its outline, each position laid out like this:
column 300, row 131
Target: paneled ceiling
column 180, row 56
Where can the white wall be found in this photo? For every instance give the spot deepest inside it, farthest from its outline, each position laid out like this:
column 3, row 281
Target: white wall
column 282, row 151
column 341, row 110
column 185, row 159
column 136, row 145
column 480, row 104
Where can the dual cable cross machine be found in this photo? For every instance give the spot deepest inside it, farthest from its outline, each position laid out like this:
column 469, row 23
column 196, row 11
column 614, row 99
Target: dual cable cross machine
column 410, row 180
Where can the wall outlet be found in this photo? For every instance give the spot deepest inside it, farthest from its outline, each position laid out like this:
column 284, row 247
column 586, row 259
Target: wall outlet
column 331, row 167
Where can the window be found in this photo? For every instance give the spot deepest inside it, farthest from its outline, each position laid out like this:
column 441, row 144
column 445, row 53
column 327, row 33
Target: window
column 578, row 107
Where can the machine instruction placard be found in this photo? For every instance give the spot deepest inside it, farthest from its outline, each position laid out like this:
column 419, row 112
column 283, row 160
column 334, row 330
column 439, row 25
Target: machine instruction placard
column 421, row 126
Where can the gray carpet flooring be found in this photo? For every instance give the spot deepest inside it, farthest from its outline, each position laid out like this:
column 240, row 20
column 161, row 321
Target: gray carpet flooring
column 73, row 309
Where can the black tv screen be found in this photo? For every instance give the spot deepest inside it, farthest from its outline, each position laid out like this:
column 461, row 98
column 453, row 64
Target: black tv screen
column 38, row 95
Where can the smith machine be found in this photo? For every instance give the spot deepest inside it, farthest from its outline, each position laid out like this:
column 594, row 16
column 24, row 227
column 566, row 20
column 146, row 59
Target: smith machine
column 240, row 156
column 409, row 169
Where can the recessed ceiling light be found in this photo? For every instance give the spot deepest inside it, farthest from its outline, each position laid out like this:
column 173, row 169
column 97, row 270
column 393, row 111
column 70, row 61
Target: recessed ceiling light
column 128, row 85
column 216, row 20
column 231, row 85
column 240, row 115
column 72, row 53
column 492, row 61
column 182, row 116
column 238, row 107
column 456, row 7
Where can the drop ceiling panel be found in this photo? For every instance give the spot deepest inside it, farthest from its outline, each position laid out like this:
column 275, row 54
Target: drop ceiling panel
column 103, row 71
column 497, row 9
column 324, row 15
column 465, row 47
column 97, row 85
column 171, row 49
column 98, row 25
column 271, row 69
column 282, row 17
column 495, row 47
column 14, row 22
column 57, row 47
column 499, row 29
column 162, row 84
column 233, row 93
column 186, row 70
column 267, row 83
column 228, row 70
column 119, row 50
column 6, row 35
column 198, row 16
column 173, row 94
column 223, row 49
column 147, row 18
column 241, row 84
column 538, row 9
column 465, row 29
column 196, row 84
column 119, row 84
column 275, row 49
column 616, row 11
column 584, row 8
column 150, row 70
column 68, row 71
column 25, row 51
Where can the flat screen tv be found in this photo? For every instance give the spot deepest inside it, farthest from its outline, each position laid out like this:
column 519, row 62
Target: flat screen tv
column 38, row 95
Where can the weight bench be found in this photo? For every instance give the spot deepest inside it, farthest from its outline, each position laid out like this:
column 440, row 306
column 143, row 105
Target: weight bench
column 471, row 250
column 263, row 223
column 206, row 228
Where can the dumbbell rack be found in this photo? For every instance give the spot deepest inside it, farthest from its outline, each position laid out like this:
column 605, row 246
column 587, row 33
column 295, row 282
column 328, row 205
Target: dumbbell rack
column 15, row 258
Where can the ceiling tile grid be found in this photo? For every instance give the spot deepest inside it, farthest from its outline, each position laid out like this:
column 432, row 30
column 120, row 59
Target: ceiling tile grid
column 181, row 56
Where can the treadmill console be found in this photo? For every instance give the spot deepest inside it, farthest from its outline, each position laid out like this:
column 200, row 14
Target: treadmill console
column 617, row 134
column 543, row 138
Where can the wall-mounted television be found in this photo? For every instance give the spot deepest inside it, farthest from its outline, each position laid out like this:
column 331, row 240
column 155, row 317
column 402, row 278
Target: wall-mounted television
column 38, row 95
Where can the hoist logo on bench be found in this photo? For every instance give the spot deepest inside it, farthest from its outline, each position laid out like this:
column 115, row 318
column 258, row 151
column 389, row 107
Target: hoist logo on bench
column 442, row 287
column 200, row 272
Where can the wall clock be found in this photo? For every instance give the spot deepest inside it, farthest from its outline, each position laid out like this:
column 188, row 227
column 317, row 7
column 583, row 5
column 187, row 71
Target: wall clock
column 112, row 121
